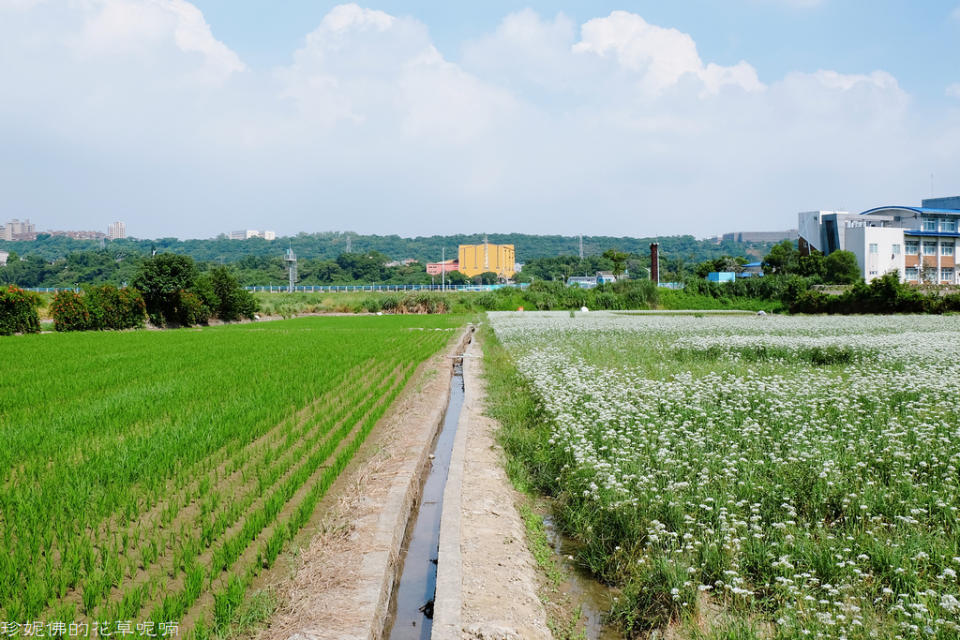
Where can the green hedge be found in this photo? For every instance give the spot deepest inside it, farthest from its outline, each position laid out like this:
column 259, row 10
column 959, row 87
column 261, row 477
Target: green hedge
column 883, row 295
column 98, row 308
column 18, row 311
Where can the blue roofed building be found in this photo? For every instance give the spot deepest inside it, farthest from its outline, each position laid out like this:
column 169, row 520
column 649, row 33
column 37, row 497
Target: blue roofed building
column 722, row 276
column 917, row 243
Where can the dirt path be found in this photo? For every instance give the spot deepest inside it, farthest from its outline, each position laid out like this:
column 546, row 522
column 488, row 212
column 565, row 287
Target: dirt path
column 487, row 579
column 341, row 588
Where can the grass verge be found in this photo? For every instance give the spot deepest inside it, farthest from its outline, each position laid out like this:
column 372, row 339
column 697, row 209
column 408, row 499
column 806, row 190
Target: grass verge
column 524, row 435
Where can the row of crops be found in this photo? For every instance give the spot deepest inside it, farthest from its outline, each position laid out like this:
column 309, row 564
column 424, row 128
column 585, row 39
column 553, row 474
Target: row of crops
column 754, row 477
column 150, row 477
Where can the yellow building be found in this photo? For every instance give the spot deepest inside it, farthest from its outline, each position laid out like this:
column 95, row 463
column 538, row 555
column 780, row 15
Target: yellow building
column 480, row 258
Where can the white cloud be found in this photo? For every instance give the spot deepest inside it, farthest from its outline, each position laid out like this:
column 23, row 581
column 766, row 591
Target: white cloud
column 367, row 66
column 956, row 13
column 369, row 127
column 138, row 27
column 953, row 90
column 527, row 52
column 661, row 56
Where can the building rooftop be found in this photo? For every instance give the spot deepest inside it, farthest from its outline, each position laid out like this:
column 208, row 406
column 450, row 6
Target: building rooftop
column 920, row 210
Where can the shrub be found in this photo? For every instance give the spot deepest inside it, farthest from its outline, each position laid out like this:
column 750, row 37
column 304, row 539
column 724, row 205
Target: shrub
column 18, row 311
column 204, row 289
column 112, row 308
column 132, row 310
column 637, row 294
column 69, row 311
column 371, row 305
column 98, row 308
column 233, row 302
column 190, row 309
column 423, row 303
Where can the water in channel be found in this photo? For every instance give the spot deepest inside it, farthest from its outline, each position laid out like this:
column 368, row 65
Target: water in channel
column 593, row 598
column 411, row 607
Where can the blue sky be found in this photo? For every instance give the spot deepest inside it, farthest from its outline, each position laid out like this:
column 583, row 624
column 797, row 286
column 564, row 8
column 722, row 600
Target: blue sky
column 193, row 118
column 915, row 41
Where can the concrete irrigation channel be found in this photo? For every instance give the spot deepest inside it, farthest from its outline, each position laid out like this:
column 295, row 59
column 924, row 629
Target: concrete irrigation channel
column 425, row 524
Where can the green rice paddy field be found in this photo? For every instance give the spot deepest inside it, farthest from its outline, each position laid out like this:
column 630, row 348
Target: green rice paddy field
column 148, row 477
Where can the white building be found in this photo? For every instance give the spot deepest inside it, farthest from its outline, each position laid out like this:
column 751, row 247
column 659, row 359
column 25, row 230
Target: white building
column 3, row 258
column 117, row 231
column 918, row 243
column 246, row 234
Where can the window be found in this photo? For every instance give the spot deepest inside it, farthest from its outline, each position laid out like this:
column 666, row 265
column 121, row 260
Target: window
column 947, row 274
column 948, row 225
column 896, row 249
column 929, row 224
column 946, row 249
column 913, row 247
column 912, row 273
column 874, row 248
column 929, row 248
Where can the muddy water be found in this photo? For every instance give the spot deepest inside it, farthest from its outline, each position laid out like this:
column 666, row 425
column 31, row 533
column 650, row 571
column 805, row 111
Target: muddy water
column 593, row 598
column 411, row 606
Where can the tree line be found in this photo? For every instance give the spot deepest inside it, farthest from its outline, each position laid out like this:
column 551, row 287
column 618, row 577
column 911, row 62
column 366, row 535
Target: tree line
column 423, row 249
column 167, row 290
column 57, row 261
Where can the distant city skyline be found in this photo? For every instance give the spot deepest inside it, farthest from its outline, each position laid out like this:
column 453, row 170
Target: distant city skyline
column 419, row 118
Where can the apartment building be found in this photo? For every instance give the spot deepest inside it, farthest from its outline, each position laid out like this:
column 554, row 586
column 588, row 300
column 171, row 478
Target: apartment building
column 117, row 230
column 18, row 230
column 918, row 243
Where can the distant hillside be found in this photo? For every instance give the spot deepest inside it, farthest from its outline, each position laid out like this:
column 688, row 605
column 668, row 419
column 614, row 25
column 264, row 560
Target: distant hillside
column 328, row 245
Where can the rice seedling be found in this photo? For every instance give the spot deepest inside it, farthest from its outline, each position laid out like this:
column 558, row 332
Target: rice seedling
column 148, row 476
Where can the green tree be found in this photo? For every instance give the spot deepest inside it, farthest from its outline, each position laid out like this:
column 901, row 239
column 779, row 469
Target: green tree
column 164, row 280
column 487, row 277
column 455, row 277
column 840, row 267
column 723, row 263
column 618, row 258
column 235, row 302
column 811, row 266
column 783, row 258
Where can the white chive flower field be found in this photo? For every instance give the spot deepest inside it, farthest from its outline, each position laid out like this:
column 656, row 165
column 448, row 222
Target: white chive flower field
column 745, row 476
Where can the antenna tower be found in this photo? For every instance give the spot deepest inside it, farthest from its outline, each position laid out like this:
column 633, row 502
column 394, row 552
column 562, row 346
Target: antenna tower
column 581, row 246
column 291, row 259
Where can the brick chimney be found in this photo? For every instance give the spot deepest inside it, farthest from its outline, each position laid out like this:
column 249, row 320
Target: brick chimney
column 655, row 262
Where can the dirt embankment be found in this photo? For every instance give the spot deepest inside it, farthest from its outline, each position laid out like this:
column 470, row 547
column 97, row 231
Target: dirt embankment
column 487, row 579
column 341, row 587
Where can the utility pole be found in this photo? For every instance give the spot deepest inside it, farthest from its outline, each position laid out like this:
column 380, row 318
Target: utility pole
column 443, row 268
column 581, row 247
